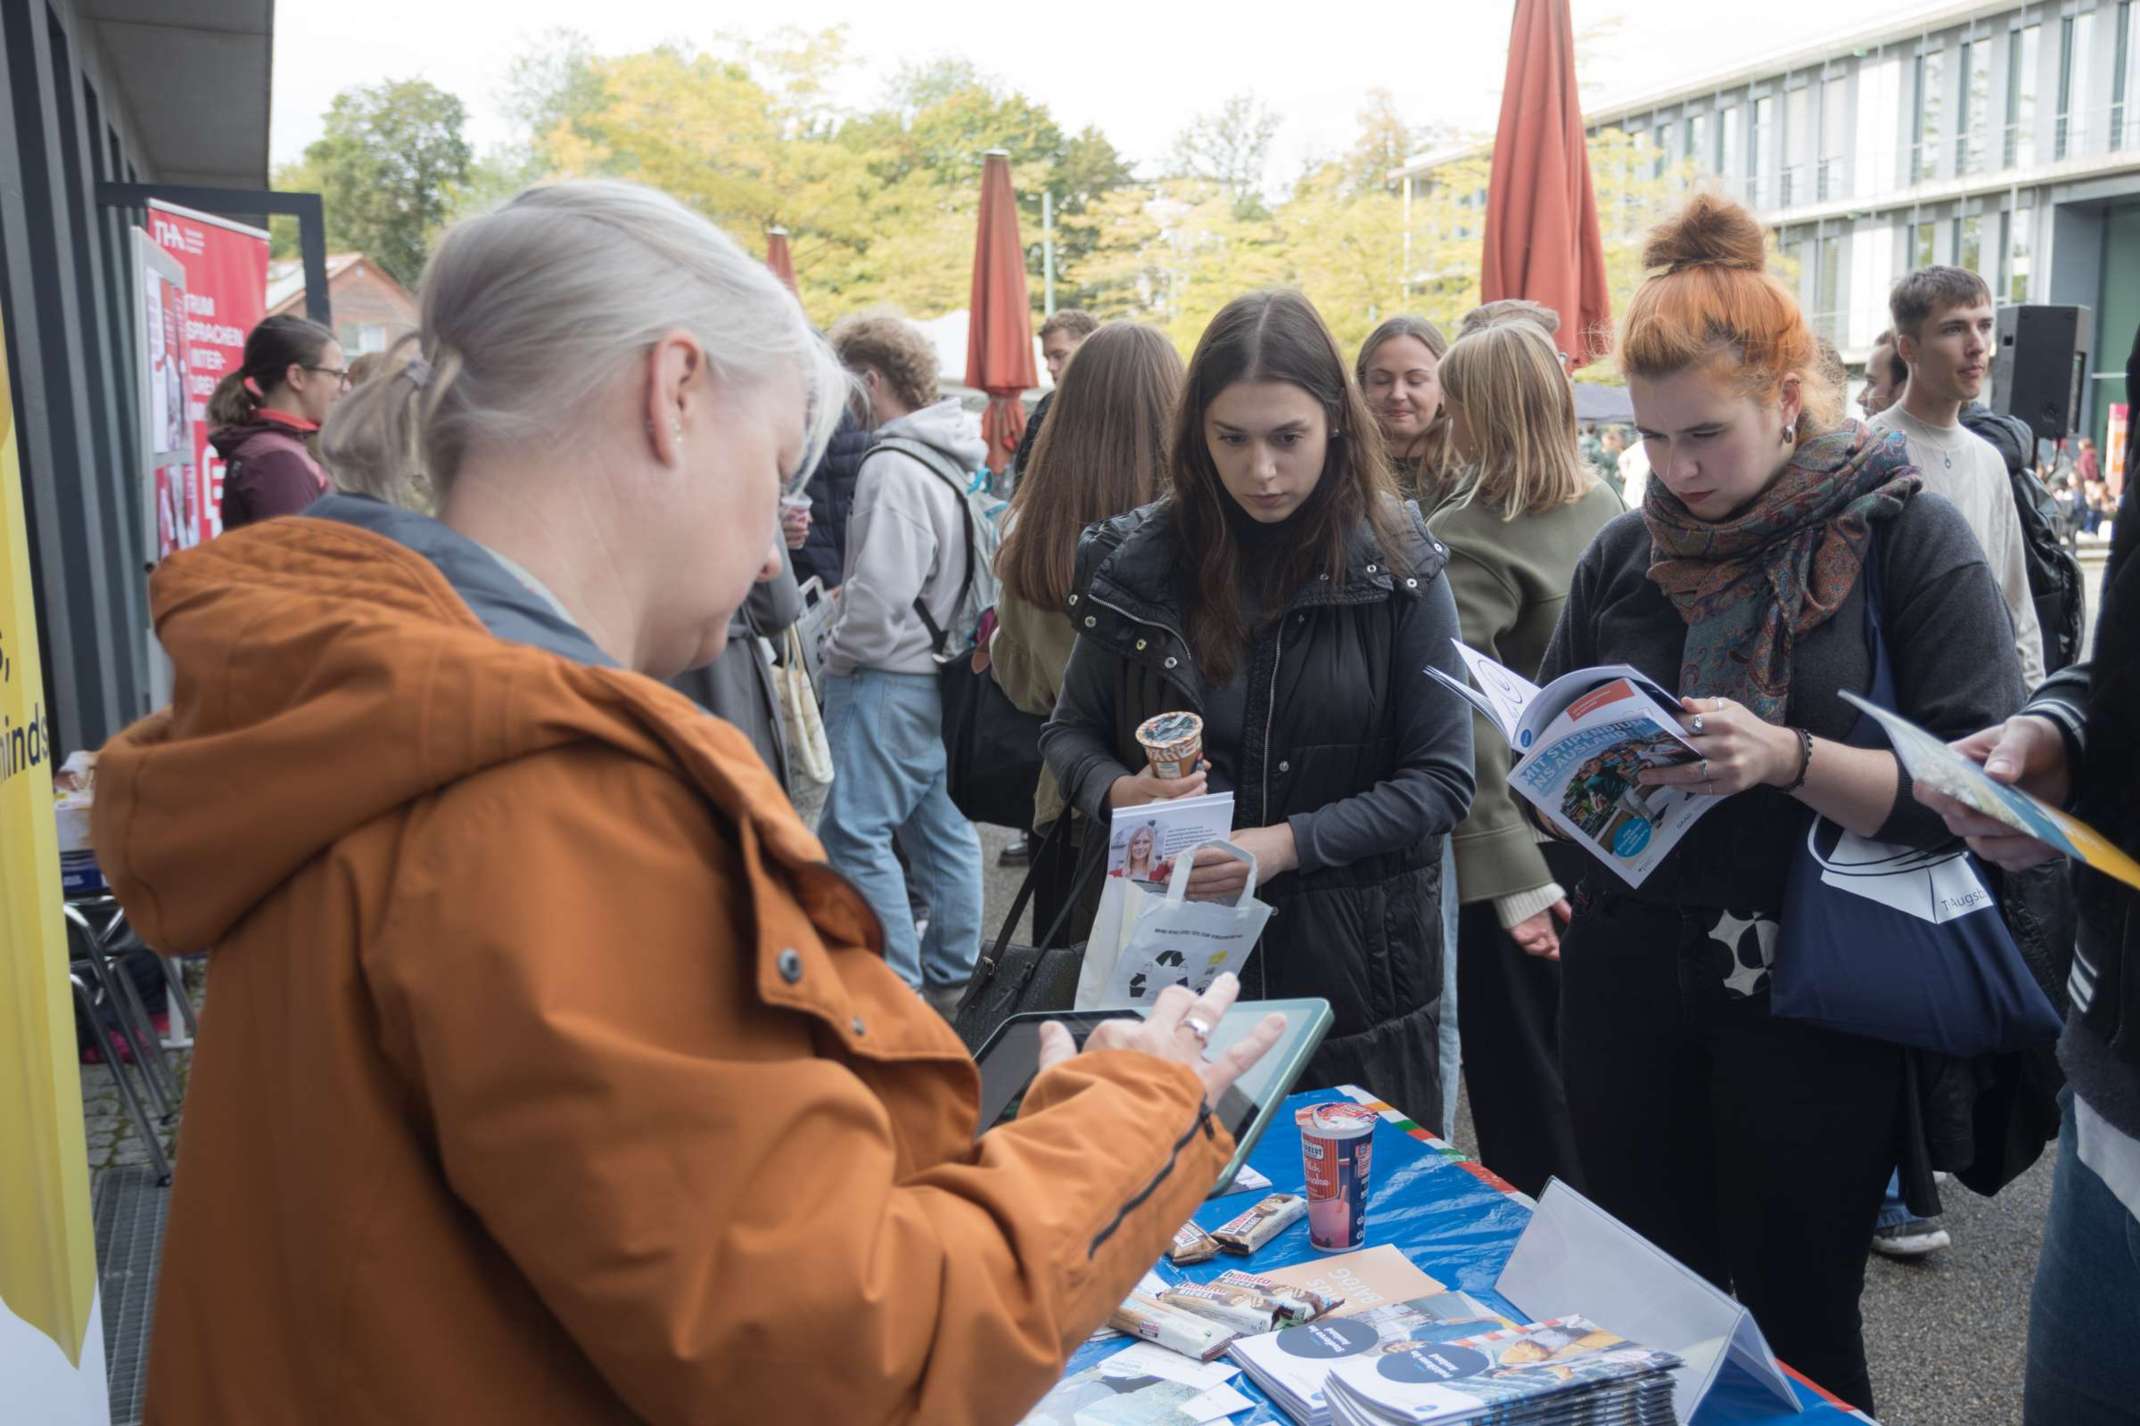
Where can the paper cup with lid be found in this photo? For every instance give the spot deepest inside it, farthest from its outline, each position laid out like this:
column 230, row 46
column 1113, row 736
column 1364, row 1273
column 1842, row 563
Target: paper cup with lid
column 1336, row 1149
column 1172, row 742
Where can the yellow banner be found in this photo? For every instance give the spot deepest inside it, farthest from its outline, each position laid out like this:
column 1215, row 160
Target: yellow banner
column 48, row 1271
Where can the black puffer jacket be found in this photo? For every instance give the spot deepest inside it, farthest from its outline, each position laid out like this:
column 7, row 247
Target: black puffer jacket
column 1346, row 739
column 832, row 491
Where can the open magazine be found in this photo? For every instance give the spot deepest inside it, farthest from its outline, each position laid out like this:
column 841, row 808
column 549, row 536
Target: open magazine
column 1582, row 742
column 1935, row 765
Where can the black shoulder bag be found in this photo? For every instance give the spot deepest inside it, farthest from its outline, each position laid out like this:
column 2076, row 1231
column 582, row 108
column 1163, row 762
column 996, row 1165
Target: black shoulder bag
column 1012, row 979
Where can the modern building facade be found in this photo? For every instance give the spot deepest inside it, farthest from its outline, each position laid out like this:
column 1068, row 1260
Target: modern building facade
column 103, row 91
column 1997, row 136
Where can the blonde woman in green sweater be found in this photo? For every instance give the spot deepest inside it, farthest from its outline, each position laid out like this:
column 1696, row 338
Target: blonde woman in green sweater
column 1527, row 511
column 1101, row 452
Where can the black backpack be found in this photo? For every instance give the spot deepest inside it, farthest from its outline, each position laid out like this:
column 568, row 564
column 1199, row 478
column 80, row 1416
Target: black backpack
column 2054, row 574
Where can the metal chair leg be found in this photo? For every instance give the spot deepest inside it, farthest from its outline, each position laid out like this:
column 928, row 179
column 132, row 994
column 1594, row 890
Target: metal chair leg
column 117, row 1012
column 175, row 977
column 134, row 1110
column 127, row 1007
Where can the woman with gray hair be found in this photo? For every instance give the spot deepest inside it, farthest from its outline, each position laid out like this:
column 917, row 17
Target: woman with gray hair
column 552, row 1076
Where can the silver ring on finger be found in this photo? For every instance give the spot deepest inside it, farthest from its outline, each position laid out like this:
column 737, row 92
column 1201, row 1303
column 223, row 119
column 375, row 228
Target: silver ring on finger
column 1697, row 726
column 1197, row 1028
column 1705, row 772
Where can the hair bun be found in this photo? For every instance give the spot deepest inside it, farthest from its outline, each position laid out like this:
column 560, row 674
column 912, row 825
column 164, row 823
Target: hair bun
column 1709, row 232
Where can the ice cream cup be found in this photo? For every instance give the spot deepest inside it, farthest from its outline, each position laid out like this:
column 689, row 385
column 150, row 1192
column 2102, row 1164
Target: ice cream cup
column 1336, row 1150
column 1174, row 742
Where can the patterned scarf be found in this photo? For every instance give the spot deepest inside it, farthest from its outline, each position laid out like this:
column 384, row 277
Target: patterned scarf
column 1748, row 587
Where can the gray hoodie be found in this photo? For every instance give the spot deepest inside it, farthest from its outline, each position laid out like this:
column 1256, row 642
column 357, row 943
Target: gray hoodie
column 906, row 538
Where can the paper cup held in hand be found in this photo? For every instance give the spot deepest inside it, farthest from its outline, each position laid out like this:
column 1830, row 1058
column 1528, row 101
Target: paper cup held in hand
column 1174, row 742
column 1336, row 1150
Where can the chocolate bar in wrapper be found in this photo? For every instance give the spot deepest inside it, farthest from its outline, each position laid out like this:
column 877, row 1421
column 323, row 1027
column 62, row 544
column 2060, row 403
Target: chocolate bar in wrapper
column 1192, row 1245
column 1297, row 1304
column 1153, row 1321
column 1242, row 1309
column 1262, row 1223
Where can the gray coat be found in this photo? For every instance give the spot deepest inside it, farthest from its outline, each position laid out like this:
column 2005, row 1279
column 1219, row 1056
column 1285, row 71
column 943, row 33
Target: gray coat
column 738, row 686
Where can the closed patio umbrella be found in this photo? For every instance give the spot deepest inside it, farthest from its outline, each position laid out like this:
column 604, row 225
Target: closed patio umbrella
column 1542, row 239
column 999, row 331
column 778, row 258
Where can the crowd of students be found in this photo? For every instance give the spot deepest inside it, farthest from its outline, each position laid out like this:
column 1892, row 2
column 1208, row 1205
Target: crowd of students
column 615, row 1053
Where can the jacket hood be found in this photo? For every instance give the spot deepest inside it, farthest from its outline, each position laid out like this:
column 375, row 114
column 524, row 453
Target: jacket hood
column 947, row 426
column 227, row 439
column 327, row 674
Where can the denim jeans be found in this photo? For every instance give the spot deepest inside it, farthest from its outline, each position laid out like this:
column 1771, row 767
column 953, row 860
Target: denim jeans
column 886, row 732
column 2084, row 1316
column 1893, row 1211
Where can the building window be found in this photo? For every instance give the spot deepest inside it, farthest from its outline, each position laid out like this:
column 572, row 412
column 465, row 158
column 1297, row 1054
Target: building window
column 1924, row 245
column 2014, row 253
column 1731, row 150
column 1828, row 288
column 1834, row 138
column 1973, row 114
column 1760, row 122
column 2074, row 34
column 371, row 337
column 1661, row 138
column 1797, row 144
column 1969, row 243
column 1931, row 113
column 2022, row 55
column 1700, row 148
column 2121, row 77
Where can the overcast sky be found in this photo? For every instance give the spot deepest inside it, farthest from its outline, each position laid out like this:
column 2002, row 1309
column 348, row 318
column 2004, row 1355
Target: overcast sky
column 1137, row 69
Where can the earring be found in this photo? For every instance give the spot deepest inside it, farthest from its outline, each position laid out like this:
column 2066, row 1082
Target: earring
column 1790, row 434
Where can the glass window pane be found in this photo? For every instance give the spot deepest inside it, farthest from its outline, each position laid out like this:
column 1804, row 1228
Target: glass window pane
column 1834, row 137
column 2024, row 53
column 1797, row 144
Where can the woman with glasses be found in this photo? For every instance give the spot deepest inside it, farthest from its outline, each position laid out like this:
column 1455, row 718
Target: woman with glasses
column 265, row 413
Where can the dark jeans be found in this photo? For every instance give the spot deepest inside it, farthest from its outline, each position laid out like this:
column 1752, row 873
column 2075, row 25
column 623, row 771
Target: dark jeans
column 1752, row 1149
column 1510, row 1025
column 2084, row 1317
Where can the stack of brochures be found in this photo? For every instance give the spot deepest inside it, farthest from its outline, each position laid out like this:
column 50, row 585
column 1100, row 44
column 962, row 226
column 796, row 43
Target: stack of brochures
column 1564, row 1372
column 1294, row 1366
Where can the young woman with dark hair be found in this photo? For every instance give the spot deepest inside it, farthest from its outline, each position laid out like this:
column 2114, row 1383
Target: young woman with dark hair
column 1398, row 371
column 1102, row 453
column 1755, row 1149
column 1283, row 593
column 263, row 413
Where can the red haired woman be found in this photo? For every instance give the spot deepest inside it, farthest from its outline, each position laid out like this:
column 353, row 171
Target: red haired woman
column 1755, row 1149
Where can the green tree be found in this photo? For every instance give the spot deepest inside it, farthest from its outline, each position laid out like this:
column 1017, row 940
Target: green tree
column 1230, row 146
column 387, row 165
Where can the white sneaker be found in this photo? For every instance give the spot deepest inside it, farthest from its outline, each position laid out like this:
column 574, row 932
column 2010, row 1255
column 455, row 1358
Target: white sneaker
column 1911, row 1238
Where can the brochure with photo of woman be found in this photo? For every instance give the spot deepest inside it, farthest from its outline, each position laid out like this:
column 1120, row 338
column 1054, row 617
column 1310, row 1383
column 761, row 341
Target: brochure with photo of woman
column 1147, row 840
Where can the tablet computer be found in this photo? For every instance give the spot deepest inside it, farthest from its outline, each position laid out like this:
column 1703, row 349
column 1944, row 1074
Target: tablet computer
column 1011, row 1057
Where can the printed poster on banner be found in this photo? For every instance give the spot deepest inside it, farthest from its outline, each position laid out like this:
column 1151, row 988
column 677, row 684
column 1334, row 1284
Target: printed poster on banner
column 225, row 267
column 51, row 1328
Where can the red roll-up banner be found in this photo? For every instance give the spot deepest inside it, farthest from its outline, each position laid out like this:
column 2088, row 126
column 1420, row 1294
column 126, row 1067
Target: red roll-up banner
column 226, row 296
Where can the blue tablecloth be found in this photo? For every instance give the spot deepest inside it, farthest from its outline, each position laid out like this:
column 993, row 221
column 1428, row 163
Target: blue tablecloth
column 1457, row 1223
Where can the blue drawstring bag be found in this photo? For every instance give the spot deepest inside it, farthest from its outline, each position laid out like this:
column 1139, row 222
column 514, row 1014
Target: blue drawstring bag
column 1896, row 943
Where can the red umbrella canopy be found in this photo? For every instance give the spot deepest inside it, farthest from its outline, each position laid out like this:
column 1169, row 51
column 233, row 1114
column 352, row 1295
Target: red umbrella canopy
column 1542, row 240
column 999, row 331
column 778, row 258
